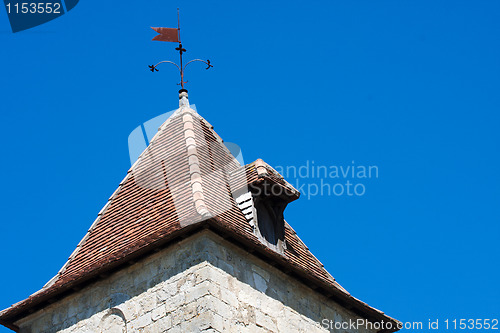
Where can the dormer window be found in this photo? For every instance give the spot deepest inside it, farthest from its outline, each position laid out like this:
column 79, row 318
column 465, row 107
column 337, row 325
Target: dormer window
column 263, row 203
column 270, row 226
column 271, row 194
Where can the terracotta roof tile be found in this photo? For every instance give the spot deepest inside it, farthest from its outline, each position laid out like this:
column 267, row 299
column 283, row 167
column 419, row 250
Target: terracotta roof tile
column 184, row 177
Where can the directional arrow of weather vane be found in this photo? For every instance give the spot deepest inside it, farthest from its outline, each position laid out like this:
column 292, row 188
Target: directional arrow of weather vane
column 174, row 35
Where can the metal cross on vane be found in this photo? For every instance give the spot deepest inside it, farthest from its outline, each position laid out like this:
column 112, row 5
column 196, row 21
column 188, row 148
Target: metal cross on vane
column 174, row 35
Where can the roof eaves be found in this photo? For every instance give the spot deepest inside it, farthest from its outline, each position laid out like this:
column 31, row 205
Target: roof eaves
column 15, row 312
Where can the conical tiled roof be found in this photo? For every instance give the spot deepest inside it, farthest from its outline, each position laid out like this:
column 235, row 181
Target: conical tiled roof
column 185, row 180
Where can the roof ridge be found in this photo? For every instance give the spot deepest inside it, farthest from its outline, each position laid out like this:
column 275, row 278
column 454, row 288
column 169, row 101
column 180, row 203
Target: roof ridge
column 194, row 162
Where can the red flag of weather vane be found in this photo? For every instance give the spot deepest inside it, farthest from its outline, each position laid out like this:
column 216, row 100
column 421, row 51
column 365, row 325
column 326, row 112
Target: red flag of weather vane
column 174, row 35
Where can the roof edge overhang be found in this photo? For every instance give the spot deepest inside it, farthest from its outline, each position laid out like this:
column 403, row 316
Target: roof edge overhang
column 40, row 300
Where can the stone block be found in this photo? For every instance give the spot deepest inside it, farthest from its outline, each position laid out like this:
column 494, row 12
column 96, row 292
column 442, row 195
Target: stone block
column 175, row 302
column 247, row 295
column 141, row 321
column 245, row 314
column 164, row 323
column 198, row 291
column 147, row 303
column 260, row 282
column 229, row 297
column 265, row 321
column 158, row 312
column 211, row 303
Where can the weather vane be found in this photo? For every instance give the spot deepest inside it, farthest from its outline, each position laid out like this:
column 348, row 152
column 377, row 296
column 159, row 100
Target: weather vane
column 174, row 35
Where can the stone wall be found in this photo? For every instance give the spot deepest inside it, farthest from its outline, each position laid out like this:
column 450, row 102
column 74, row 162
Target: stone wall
column 202, row 284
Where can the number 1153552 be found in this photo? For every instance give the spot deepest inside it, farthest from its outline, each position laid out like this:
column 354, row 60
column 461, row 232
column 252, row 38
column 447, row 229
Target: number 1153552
column 33, row 8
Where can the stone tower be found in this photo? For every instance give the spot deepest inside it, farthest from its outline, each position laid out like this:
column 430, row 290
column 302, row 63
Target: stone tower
column 192, row 241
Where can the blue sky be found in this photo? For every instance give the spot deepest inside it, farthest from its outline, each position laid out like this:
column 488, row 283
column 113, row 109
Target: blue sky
column 410, row 87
